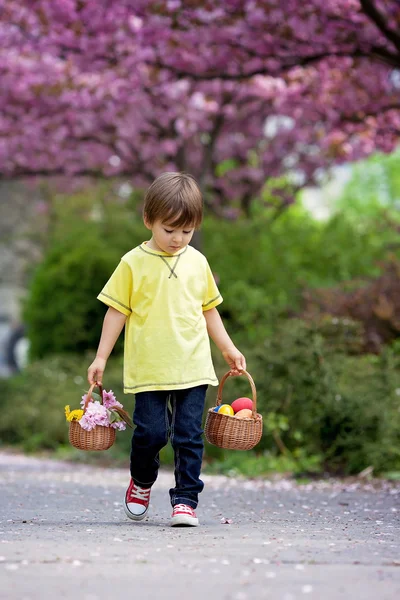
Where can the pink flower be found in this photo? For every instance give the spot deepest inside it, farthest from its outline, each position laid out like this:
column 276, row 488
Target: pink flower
column 98, row 413
column 120, row 425
column 110, row 400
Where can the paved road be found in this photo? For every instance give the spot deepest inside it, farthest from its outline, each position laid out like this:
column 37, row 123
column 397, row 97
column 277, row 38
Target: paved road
column 63, row 534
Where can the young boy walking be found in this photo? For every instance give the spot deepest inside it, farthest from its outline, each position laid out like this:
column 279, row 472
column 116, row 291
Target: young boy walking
column 164, row 293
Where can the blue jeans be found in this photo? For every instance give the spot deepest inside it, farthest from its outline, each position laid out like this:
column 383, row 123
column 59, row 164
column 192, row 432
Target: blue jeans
column 177, row 415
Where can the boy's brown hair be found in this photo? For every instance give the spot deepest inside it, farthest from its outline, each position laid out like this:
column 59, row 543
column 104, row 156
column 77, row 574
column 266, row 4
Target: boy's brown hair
column 176, row 199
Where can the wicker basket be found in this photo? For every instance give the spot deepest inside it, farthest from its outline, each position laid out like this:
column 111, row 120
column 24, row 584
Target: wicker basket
column 99, row 438
column 229, row 432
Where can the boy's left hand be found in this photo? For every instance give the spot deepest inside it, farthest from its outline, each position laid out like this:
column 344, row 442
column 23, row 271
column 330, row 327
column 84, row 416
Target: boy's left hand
column 235, row 360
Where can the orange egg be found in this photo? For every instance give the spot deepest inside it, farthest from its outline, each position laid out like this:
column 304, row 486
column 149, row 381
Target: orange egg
column 246, row 413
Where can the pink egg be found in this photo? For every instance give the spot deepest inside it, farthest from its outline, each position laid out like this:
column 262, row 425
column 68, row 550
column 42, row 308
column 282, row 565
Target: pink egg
column 241, row 403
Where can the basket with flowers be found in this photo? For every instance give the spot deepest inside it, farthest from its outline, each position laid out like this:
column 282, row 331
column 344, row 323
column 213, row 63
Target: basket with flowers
column 93, row 426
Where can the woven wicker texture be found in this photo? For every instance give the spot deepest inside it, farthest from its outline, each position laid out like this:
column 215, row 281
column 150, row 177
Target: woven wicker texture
column 229, row 432
column 99, row 438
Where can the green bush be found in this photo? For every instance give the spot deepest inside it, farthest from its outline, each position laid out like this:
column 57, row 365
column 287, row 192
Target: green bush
column 61, row 312
column 326, row 405
column 374, row 303
column 320, row 402
column 322, row 410
column 263, row 268
column 32, row 403
column 373, row 190
column 32, row 408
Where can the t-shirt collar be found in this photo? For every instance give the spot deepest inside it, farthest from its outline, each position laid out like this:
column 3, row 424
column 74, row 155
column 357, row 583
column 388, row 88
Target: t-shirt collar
column 144, row 246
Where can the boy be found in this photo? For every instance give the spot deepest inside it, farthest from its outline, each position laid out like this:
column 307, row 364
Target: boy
column 164, row 293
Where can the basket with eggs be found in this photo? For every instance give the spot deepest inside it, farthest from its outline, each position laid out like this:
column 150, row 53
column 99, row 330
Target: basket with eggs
column 235, row 426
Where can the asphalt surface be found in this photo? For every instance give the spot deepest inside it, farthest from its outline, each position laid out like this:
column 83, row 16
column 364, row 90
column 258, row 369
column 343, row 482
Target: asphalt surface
column 64, row 534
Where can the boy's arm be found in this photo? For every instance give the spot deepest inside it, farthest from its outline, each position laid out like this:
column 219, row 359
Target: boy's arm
column 220, row 337
column 113, row 324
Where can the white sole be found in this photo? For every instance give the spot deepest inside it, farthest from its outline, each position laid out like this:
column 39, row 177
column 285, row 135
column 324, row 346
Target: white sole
column 184, row 521
column 135, row 517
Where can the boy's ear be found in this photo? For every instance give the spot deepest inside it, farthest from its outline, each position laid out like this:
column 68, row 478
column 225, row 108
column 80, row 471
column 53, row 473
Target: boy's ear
column 146, row 222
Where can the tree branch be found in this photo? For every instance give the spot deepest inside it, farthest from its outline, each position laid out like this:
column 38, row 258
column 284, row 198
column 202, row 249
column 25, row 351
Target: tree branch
column 377, row 17
column 381, row 53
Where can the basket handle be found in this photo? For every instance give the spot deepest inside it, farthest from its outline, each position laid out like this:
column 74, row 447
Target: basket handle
column 253, row 390
column 89, row 394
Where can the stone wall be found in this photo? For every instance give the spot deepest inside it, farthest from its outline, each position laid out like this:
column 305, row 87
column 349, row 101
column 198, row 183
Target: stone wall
column 22, row 226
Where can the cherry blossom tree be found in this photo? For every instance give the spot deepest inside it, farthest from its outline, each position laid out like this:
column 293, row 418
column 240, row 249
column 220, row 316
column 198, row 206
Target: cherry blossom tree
column 235, row 92
column 242, row 38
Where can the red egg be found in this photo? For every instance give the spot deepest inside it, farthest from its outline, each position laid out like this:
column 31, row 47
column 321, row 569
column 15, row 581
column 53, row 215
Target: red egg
column 241, row 403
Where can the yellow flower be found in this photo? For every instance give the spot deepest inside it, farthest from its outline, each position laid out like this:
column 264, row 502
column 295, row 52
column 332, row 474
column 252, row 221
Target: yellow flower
column 75, row 415
column 67, row 411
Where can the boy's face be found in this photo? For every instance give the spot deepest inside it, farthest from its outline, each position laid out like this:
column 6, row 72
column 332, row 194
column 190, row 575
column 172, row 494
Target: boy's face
column 167, row 238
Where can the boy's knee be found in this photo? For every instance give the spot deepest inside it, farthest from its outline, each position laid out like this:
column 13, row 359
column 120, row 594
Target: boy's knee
column 150, row 438
column 187, row 441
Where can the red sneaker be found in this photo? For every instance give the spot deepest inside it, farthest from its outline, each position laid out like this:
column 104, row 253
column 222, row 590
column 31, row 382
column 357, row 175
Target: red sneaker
column 136, row 502
column 183, row 515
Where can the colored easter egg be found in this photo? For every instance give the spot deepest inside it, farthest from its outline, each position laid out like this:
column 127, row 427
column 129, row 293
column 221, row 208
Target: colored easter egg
column 216, row 409
column 245, row 413
column 226, row 409
column 241, row 403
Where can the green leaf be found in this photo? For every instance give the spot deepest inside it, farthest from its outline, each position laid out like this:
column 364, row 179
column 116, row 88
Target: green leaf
column 113, row 416
column 123, row 414
column 225, row 166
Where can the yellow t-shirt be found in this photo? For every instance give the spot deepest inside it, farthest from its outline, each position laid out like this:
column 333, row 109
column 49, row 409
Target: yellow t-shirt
column 166, row 341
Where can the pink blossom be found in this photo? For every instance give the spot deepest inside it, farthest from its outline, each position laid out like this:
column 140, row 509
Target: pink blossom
column 96, row 414
column 137, row 81
column 110, row 400
column 120, row 425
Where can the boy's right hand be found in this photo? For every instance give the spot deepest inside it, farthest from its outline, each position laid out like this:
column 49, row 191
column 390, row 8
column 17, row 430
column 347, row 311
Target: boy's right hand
column 96, row 370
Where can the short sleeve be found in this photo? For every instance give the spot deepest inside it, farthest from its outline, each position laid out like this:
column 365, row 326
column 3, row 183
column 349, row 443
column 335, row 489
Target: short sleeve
column 118, row 290
column 212, row 297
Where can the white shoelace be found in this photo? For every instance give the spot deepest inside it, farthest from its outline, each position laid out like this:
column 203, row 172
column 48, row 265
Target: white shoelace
column 183, row 508
column 139, row 493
